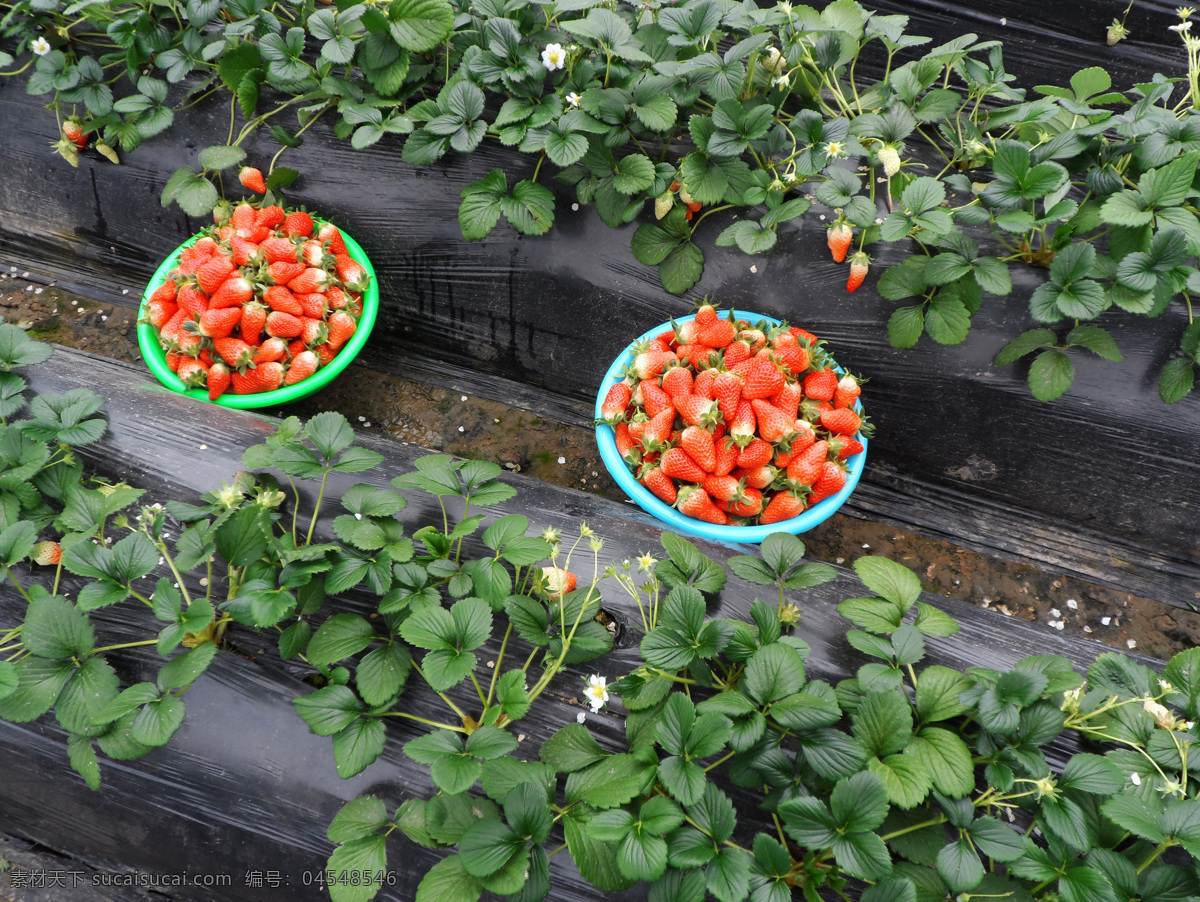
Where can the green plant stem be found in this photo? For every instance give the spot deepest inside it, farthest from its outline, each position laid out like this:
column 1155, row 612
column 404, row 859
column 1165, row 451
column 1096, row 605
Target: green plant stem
column 302, row 130
column 1154, row 856
column 312, row 527
column 487, row 702
column 139, row 644
column 431, row 723
column 720, row 761
column 142, row 598
column 940, row 819
column 453, row 707
column 162, row 549
column 479, row 690
column 12, row 578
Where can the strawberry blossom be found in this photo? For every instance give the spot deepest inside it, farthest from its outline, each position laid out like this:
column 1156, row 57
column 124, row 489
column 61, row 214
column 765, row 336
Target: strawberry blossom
column 553, row 57
column 597, row 691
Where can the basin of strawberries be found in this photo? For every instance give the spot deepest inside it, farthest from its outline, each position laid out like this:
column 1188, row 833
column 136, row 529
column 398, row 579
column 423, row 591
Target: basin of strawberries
column 732, row 426
column 264, row 307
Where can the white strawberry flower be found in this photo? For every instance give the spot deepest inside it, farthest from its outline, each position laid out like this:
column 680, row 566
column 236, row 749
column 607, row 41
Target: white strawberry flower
column 1135, row 779
column 597, row 691
column 554, row 57
column 40, row 46
column 572, row 99
column 581, row 717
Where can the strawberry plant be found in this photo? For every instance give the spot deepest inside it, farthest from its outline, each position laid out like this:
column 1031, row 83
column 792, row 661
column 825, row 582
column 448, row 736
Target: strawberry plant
column 682, row 114
column 742, row 776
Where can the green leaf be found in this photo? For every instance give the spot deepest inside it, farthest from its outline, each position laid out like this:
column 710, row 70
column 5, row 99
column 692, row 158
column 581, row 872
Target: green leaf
column 859, row 803
column 958, row 864
column 420, row 25
column 682, row 268
column 358, row 745
column 946, row 320
column 341, row 636
column 1126, row 208
column 356, row 869
column 773, row 672
column 714, row 814
column 862, row 855
column 9, row 679
column 1132, row 813
column 1092, row 773
column 633, row 173
column 221, row 157
column 242, row 539
column 883, row 723
column 529, row 618
column 91, row 688
column 947, row 759
column 938, row 689
column 933, row 622
column 56, row 629
column 889, row 580
column 39, row 683
column 486, row 847
column 530, row 209
column 905, row 326
column 83, row 757
column 684, row 780
column 904, row 779
column 570, row 749
column 923, row 193
column 489, row 742
column 641, row 856
column 595, row 859
column 158, row 720
column 183, row 670
column 329, row 710
column 1025, row 343
column 613, row 781
column 382, row 673
column 1169, row 185
column 1050, row 374
column 704, row 179
column 729, row 875
column 357, row 818
column 996, row 839
column 17, row 541
column 652, row 244
column 1085, row 884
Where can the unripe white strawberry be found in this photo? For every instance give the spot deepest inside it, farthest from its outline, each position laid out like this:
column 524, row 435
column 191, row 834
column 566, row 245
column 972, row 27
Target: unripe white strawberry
column 889, row 158
column 48, row 554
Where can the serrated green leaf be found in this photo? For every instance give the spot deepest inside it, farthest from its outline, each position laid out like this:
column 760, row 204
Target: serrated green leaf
column 1050, row 375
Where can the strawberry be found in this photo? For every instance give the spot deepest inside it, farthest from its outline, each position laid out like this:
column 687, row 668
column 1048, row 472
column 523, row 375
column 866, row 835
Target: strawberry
column 191, row 301
column 219, row 379
column 280, row 250
column 703, row 384
column 783, row 458
column 659, row 483
column 783, row 506
column 234, row 352
column 313, row 305
column 723, row 488
column 242, row 219
column 805, row 336
column 728, row 391
column 253, row 179
column 649, row 364
column 803, row 436
column 762, row 378
column 159, row 312
column 328, row 233
column 244, row 251
column 215, row 271
column 165, row 292
column 326, row 353
column 755, row 338
column 700, row 356
column 654, row 399
column 314, row 331
column 847, row 392
column 303, row 365
column 193, row 373
column 558, row 582
column 313, row 253
column 860, row 263
column 773, row 424
column 312, row 279
column 698, row 411
column 889, row 159
column 694, row 502
column 233, row 292
column 750, row 504
column 657, row 430
column 743, row 427
column 174, row 359
column 686, row 333
column 341, row 327
column 820, row 385
column 298, row 224
column 678, row 464
column 699, row 445
column 755, row 477
column 270, row 351
column 625, row 443
column 614, row 410
column 270, row 217
column 197, row 254
column 254, row 318
column 677, row 382
column 840, row 236
column 736, row 352
column 841, row 420
column 718, row 334
column 48, row 554
column 833, row 477
column 845, row 447
column 219, row 323
column 755, row 454
column 794, row 359
column 727, row 455
column 806, row 468
column 295, row 346
column 706, row 315
column 279, row 297
column 72, row 130
column 283, row 272
column 267, row 377
column 788, row 399
column 336, row 298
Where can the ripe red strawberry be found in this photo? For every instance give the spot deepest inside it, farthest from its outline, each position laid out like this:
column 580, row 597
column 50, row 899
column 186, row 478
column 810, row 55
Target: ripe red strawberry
column 833, row 477
column 755, row 454
column 699, row 445
column 804, row 336
column 698, row 411
column 193, row 373
column 783, row 506
column 270, row 217
column 244, row 251
column 773, row 424
column 804, row 436
column 279, row 297
column 312, row 279
column 840, row 236
column 703, row 384
column 314, row 332
column 694, row 502
column 700, row 356
column 806, row 468
column 165, row 292
column 336, row 298
column 235, row 352
column 197, row 254
column 328, row 233
column 657, row 431
column 219, row 323
column 736, row 352
column 215, row 271
column 783, row 458
column 762, row 378
column 649, row 364
column 283, row 272
column 174, row 359
column 727, row 455
column 750, row 504
column 280, row 250
column 722, row 488
column 220, row 377
column 718, row 334
column 842, row 421
column 794, row 359
column 847, row 391
column 191, row 300
column 254, row 318
column 654, row 399
column 615, row 408
column 326, row 353
column 820, row 385
column 788, row 399
column 677, row 464
column 727, row 388
column 845, row 447
column 303, row 365
column 341, row 327
column 625, row 443
column 756, row 477
column 72, row 130
column 298, row 224
column 706, row 315
column 677, row 382
column 686, row 332
column 271, row 350
column 313, row 305
column 743, row 428
column 860, row 263
column 253, row 179
column 159, row 312
column 295, row 346
column 242, row 219
column 233, row 292
column 48, row 554
column 267, row 377
column 313, row 254
column 659, row 483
